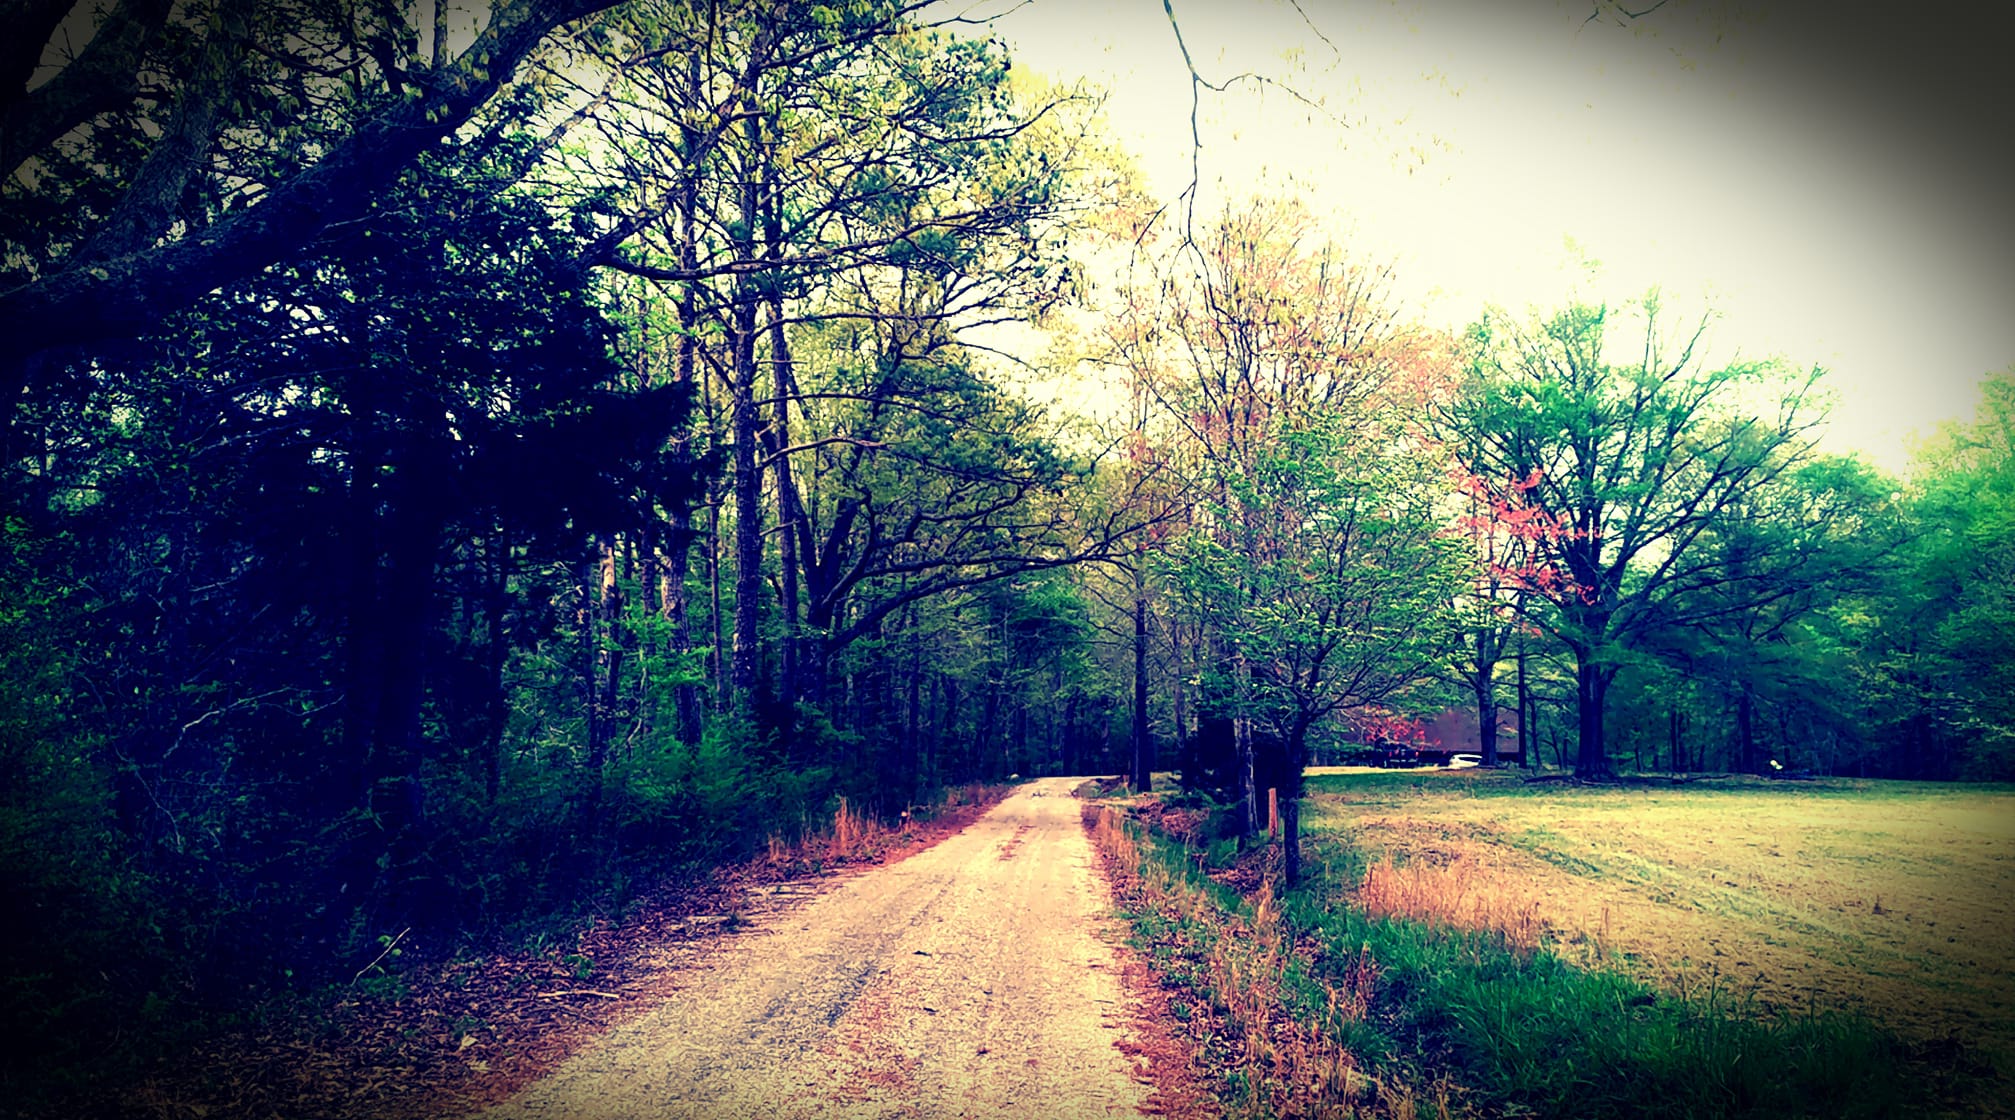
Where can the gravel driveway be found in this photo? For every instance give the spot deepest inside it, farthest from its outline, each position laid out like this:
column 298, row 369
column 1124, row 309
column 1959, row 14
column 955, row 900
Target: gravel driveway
column 969, row 980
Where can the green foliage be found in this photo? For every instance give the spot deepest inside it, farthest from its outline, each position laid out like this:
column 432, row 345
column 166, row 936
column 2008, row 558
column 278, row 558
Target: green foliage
column 1869, row 633
column 1324, row 569
column 678, row 805
column 1618, row 473
column 82, row 931
column 354, row 585
column 1944, row 657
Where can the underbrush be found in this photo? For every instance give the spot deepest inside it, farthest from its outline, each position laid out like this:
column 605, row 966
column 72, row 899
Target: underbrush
column 428, row 1022
column 855, row 836
column 1404, row 993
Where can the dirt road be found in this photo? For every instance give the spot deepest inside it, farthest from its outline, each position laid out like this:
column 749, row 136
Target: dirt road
column 969, row 980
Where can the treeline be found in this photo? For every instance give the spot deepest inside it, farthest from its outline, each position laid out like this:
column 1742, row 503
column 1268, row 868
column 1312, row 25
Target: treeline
column 458, row 470
column 1681, row 579
column 1576, row 523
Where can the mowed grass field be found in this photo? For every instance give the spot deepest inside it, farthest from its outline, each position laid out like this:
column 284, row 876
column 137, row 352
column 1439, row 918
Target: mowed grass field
column 1893, row 900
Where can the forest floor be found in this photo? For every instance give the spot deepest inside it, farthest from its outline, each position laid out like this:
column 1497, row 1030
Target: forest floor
column 1893, row 900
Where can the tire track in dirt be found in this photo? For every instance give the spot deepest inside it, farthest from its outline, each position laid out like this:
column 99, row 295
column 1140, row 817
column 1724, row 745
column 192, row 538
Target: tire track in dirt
column 970, row 980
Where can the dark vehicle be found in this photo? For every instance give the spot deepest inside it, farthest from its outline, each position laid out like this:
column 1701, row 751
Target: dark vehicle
column 1395, row 756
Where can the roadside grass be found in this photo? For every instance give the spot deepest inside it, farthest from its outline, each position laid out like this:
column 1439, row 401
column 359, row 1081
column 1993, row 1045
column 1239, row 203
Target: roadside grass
column 854, row 836
column 1274, row 1032
column 1436, row 989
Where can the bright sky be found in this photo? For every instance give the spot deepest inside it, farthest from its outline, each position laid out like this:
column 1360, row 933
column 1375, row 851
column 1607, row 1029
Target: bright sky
column 1832, row 185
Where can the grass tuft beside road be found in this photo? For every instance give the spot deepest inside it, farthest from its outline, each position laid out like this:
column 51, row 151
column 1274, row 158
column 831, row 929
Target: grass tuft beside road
column 1272, row 1034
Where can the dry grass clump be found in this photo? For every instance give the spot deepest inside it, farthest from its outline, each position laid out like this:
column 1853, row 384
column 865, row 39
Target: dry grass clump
column 850, row 837
column 1275, row 1053
column 854, row 836
column 854, row 830
column 1452, row 893
column 1184, row 824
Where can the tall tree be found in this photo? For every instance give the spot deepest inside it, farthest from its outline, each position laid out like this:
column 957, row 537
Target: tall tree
column 1626, row 464
column 1940, row 660
column 1487, row 610
column 1256, row 326
column 1329, row 582
column 1284, row 375
column 847, row 192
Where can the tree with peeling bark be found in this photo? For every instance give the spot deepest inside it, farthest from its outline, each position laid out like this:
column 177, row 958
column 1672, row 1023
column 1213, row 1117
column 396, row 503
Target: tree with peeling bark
column 1626, row 465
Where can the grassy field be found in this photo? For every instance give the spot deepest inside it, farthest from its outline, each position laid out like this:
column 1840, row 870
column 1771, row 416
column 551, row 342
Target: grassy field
column 1895, row 901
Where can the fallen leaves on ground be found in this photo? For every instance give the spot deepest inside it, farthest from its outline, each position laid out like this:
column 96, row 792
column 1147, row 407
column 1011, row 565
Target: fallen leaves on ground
column 450, row 1034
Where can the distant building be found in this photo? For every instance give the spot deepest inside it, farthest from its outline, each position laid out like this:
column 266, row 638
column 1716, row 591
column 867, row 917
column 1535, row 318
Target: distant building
column 1456, row 731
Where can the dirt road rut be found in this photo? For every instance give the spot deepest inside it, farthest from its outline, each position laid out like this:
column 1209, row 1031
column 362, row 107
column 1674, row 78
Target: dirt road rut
column 970, row 980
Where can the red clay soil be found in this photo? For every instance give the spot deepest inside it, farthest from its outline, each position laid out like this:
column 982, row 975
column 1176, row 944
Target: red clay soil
column 446, row 1037
column 1170, row 1054
column 1172, row 1065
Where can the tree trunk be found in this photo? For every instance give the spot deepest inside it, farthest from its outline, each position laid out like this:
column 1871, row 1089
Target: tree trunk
column 1179, row 686
column 1070, row 760
column 1745, row 730
column 715, row 657
column 496, row 699
column 948, row 727
column 1143, row 741
column 588, row 623
column 1591, row 688
column 1019, row 742
column 1483, row 683
column 672, row 599
column 913, row 738
column 989, row 722
column 1290, row 838
column 745, row 666
column 789, row 510
column 744, row 412
column 679, row 538
column 1528, row 715
column 396, row 608
column 1486, row 715
column 614, row 639
column 644, row 637
column 1248, row 766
